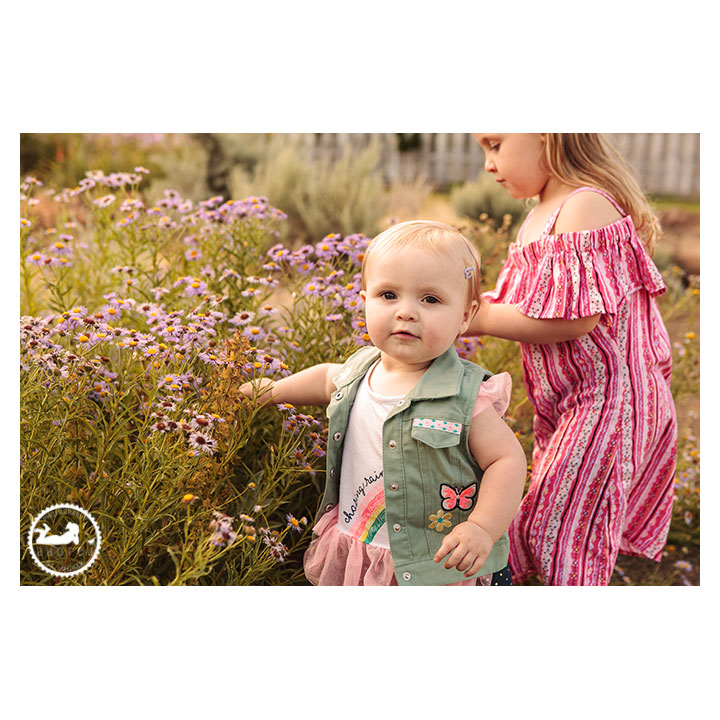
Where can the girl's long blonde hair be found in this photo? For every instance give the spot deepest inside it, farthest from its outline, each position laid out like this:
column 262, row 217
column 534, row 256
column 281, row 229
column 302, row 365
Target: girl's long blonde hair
column 588, row 159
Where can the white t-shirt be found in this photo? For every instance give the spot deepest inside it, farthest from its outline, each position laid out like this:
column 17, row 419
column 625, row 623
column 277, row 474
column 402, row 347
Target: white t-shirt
column 361, row 503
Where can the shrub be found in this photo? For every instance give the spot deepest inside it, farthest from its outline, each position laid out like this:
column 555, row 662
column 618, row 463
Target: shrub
column 61, row 159
column 323, row 196
column 484, row 198
column 319, row 196
column 138, row 324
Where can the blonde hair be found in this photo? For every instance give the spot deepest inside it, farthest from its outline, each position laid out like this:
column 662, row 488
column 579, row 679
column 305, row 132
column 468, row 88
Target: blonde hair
column 581, row 159
column 435, row 237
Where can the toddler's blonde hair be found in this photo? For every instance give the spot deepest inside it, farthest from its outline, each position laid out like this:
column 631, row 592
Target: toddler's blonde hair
column 435, row 237
column 581, row 159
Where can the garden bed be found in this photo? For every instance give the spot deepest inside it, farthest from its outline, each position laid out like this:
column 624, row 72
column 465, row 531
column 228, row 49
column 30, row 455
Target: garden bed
column 139, row 321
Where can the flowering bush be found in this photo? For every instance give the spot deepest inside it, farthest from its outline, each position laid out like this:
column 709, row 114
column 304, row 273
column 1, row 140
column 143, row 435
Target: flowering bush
column 156, row 314
column 138, row 324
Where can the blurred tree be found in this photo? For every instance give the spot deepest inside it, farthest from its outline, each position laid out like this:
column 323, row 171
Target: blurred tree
column 217, row 170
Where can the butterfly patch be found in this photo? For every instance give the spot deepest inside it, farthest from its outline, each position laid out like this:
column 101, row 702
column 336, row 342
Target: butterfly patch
column 453, row 497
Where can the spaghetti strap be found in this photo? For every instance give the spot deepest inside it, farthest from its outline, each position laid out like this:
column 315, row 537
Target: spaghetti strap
column 520, row 232
column 553, row 218
column 595, row 190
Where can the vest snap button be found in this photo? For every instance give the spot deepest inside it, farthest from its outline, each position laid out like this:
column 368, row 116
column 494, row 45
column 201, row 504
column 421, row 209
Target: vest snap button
column 338, row 395
column 337, row 436
column 329, row 507
column 396, row 527
column 332, row 472
column 406, row 576
column 393, row 486
column 392, row 444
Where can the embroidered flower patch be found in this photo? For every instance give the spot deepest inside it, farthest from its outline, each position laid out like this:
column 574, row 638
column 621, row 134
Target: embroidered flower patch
column 450, row 427
column 440, row 520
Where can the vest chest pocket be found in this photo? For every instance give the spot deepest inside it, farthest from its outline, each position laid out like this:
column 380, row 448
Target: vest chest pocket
column 439, row 457
column 436, row 433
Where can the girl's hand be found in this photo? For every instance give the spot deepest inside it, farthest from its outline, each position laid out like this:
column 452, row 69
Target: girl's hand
column 468, row 546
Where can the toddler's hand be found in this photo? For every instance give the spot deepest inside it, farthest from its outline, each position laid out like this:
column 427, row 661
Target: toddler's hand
column 250, row 390
column 468, row 546
column 245, row 393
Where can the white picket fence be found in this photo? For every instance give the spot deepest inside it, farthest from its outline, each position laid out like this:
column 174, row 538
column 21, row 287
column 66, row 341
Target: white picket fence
column 664, row 163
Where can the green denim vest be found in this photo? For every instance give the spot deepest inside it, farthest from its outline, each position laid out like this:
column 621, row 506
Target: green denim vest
column 417, row 461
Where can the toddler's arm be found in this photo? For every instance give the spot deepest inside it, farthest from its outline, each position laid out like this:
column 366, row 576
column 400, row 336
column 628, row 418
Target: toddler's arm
column 312, row 386
column 502, row 459
column 506, row 321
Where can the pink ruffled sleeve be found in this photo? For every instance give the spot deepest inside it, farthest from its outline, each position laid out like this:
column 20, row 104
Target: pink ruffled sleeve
column 495, row 392
column 587, row 273
column 503, row 285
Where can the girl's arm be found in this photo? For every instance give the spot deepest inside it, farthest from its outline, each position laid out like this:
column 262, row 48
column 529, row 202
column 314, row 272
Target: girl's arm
column 503, row 461
column 583, row 211
column 506, row 321
column 312, row 386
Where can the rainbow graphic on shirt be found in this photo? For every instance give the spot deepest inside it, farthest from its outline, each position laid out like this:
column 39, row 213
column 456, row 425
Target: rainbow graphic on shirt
column 371, row 516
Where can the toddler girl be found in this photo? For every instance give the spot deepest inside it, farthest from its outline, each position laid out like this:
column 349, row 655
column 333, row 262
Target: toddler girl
column 423, row 475
column 577, row 291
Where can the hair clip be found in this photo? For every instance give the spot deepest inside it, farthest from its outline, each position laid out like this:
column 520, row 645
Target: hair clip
column 468, row 272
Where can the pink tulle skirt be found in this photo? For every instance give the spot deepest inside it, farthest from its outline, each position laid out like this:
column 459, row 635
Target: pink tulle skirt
column 336, row 558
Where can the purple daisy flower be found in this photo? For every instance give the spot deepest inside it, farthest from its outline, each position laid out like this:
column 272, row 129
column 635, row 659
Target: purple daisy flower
column 200, row 441
column 244, row 317
column 36, row 259
column 60, row 248
column 254, row 333
column 327, row 247
column 104, row 201
column 354, row 303
column 196, row 287
column 279, row 253
column 229, row 272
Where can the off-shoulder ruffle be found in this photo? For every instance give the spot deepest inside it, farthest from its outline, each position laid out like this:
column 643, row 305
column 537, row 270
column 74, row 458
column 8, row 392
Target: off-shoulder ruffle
column 577, row 274
column 495, row 392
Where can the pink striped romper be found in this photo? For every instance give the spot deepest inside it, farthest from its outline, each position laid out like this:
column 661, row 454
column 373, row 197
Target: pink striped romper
column 605, row 431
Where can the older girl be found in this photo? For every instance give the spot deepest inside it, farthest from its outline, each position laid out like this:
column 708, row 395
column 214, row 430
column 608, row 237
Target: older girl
column 578, row 292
